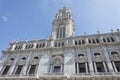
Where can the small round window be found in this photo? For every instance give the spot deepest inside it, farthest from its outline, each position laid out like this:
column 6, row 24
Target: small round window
column 80, row 55
column 96, row 54
column 36, row 57
column 24, row 58
column 12, row 59
column 114, row 53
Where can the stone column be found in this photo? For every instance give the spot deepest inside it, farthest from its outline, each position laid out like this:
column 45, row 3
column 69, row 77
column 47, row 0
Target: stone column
column 62, row 32
column 77, row 68
column 34, row 45
column 95, row 67
column 108, row 62
column 90, row 63
column 59, row 33
column 86, row 41
column 13, row 47
column 27, row 64
column 105, row 66
column 61, row 69
column 51, row 68
column 114, row 66
column 101, row 39
column 24, row 45
column 86, row 67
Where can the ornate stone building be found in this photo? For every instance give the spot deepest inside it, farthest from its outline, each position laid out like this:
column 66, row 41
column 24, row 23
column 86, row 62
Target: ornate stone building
column 63, row 56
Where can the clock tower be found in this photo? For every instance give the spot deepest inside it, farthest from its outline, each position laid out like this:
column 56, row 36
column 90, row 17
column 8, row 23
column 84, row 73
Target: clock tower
column 63, row 26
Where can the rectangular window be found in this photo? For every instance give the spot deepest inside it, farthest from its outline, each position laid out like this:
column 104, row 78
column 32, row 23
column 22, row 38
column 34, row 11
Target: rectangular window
column 56, row 69
column 75, row 42
column 97, row 40
column 100, row 67
column 32, row 69
column 83, row 41
column 19, row 69
column 6, row 70
column 82, row 68
column 117, row 64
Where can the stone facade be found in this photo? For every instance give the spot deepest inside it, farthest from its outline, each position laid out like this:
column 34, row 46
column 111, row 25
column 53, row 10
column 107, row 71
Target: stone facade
column 63, row 56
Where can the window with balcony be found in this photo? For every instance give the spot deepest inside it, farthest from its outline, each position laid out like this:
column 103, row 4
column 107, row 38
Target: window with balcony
column 56, row 65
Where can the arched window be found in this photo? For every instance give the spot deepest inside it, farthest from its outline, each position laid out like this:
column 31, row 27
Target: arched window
column 104, row 40
column 12, row 59
column 83, row 41
column 97, row 54
column 97, row 40
column 114, row 53
column 60, row 31
column 56, row 65
column 23, row 58
column 36, row 57
column 75, row 42
column 93, row 41
column 80, row 55
column 79, row 42
column 112, row 39
column 108, row 39
column 89, row 41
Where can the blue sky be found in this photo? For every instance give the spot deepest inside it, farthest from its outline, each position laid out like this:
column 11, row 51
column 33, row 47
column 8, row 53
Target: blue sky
column 31, row 19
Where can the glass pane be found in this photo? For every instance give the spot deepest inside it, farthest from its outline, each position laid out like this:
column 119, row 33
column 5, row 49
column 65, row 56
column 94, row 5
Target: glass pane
column 32, row 69
column 19, row 68
column 6, row 70
column 56, row 69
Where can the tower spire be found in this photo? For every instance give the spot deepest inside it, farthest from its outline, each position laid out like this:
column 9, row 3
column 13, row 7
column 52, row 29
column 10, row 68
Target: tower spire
column 63, row 26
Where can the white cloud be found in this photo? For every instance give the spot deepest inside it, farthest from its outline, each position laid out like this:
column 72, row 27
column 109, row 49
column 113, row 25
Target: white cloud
column 4, row 18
